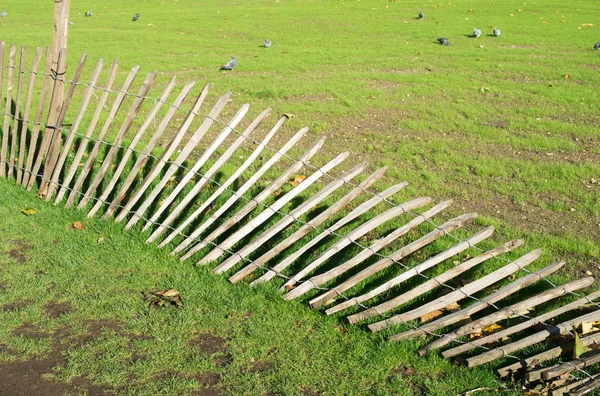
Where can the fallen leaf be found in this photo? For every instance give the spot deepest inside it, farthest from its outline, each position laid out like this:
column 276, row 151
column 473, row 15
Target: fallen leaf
column 578, row 347
column 431, row 315
column 289, row 287
column 489, row 329
column 452, row 307
column 160, row 298
column 100, row 240
column 78, row 226
column 587, row 24
column 297, row 180
column 567, row 76
column 29, row 211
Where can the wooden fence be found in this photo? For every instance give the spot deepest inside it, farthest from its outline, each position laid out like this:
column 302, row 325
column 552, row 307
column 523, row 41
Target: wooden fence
column 246, row 232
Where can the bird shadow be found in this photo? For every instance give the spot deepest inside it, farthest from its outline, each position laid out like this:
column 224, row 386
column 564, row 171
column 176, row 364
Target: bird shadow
column 490, row 35
column 469, row 35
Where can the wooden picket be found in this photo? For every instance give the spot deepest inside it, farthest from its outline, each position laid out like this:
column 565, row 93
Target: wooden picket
column 246, row 229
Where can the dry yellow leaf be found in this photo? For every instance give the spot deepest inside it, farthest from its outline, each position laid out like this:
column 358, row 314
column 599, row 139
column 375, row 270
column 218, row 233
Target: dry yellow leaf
column 489, row 329
column 100, row 240
column 78, row 226
column 452, row 307
column 431, row 315
column 297, row 180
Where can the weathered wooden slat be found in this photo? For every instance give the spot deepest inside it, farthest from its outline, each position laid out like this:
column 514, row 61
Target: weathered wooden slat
column 15, row 128
column 564, row 348
column 519, row 327
column 361, row 209
column 35, row 130
column 289, row 218
column 588, row 386
column 423, row 288
column 54, row 125
column 384, row 263
column 131, row 148
column 89, row 163
column 87, row 95
column 429, row 285
column 573, row 384
column 8, row 110
column 582, row 362
column 27, row 110
column 224, row 186
column 461, row 293
column 563, row 328
column 185, row 152
column 253, row 203
column 194, row 171
column 309, row 226
column 88, row 133
column 483, row 303
column 503, row 372
column 2, row 146
column 145, row 154
column 269, row 211
column 165, row 156
column 506, row 312
column 353, row 236
column 115, row 146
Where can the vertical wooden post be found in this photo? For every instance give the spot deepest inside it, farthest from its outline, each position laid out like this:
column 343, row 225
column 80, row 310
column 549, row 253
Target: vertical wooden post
column 59, row 62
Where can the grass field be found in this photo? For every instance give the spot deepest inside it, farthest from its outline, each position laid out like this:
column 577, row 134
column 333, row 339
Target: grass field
column 370, row 76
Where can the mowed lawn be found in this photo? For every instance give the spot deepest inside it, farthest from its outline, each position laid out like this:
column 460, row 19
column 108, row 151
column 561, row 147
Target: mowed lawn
column 370, row 76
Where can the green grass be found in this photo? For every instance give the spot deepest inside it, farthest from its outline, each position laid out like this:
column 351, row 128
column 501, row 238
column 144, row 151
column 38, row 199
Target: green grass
column 104, row 281
column 371, row 77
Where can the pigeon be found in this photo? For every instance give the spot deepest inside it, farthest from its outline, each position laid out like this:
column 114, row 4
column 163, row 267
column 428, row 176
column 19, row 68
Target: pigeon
column 444, row 41
column 3, row 14
column 88, row 13
column 136, row 16
column 421, row 16
column 230, row 65
column 267, row 43
column 496, row 32
column 476, row 33
column 597, row 46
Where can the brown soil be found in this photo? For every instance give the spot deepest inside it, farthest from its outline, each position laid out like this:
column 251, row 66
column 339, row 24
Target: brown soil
column 16, row 305
column 29, row 330
column 209, row 382
column 34, row 377
column 17, row 253
column 55, row 309
column 208, row 344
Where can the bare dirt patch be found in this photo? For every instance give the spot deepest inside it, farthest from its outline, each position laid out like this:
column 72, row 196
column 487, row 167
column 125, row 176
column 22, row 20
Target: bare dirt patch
column 35, row 377
column 55, row 309
column 29, row 330
column 17, row 253
column 402, row 371
column 16, row 305
column 209, row 382
column 208, row 344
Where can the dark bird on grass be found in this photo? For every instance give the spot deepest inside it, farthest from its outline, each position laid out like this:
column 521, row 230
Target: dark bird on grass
column 597, row 46
column 267, row 43
column 230, row 65
column 3, row 14
column 444, row 41
column 136, row 16
column 496, row 32
column 476, row 33
column 421, row 16
column 88, row 13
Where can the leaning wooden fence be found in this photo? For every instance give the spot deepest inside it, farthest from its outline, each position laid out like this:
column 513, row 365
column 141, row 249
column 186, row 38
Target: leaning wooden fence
column 190, row 199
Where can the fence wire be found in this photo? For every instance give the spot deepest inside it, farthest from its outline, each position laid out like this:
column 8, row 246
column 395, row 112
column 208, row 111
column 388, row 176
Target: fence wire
column 331, row 177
